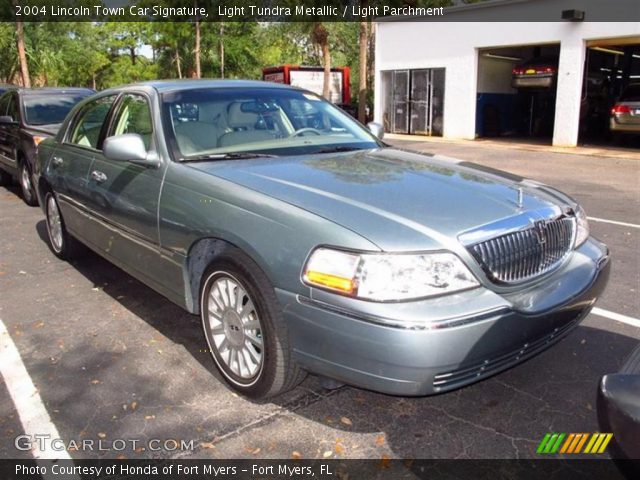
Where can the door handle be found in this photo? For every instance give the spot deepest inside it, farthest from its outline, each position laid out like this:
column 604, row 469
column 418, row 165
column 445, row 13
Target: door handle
column 57, row 161
column 98, row 176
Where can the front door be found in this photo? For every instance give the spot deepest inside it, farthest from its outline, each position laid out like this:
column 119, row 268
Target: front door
column 124, row 196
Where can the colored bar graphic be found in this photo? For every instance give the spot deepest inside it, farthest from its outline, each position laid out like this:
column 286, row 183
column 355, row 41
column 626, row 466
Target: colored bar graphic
column 556, row 446
column 556, row 443
column 569, row 443
column 578, row 448
column 543, row 443
column 605, row 442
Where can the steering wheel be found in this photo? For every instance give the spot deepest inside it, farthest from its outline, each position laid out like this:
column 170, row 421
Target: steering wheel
column 305, row 130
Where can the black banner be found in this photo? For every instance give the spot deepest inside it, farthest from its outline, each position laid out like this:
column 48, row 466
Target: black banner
column 320, row 11
column 317, row 469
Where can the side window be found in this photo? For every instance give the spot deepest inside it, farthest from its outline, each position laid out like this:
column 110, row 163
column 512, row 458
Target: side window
column 88, row 124
column 134, row 116
column 12, row 110
column 4, row 103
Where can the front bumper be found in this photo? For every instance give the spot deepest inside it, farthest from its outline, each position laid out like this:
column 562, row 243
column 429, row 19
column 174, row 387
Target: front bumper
column 459, row 339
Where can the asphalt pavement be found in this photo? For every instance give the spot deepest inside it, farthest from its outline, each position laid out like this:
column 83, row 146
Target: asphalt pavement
column 117, row 364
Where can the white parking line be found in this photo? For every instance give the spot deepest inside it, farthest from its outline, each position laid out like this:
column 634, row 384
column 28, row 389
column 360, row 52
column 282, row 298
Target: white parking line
column 613, row 222
column 26, row 399
column 616, row 316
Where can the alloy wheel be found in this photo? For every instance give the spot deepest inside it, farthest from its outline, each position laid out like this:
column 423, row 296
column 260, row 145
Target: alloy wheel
column 235, row 330
column 54, row 224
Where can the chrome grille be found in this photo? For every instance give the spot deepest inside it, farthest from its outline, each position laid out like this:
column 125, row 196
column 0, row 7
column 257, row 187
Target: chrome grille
column 518, row 256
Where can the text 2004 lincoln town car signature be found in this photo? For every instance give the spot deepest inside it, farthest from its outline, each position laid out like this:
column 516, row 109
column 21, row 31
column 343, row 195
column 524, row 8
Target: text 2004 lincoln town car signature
column 306, row 244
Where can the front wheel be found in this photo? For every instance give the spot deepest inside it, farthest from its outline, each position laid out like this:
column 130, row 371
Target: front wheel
column 243, row 325
column 26, row 186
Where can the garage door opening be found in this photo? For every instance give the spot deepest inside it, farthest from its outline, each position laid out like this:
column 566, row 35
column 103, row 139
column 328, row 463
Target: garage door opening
column 413, row 101
column 610, row 104
column 516, row 94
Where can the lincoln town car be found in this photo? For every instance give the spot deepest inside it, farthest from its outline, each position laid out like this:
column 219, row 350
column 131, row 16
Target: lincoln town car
column 307, row 244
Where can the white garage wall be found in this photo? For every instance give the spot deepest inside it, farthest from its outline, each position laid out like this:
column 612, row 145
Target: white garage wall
column 454, row 46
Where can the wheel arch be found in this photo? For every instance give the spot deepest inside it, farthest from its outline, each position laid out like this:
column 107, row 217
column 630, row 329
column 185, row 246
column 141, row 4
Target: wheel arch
column 43, row 187
column 202, row 253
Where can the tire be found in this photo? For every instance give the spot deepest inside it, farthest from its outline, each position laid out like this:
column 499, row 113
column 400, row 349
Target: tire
column 240, row 313
column 63, row 245
column 26, row 186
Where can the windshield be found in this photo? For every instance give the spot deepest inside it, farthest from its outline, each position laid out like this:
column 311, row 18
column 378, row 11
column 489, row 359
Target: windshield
column 48, row 109
column 211, row 122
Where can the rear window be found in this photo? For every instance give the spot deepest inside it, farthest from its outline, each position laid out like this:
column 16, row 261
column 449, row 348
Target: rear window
column 631, row 93
column 48, row 109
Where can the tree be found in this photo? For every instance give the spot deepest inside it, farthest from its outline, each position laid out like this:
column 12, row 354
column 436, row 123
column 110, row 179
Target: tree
column 196, row 50
column 362, row 71
column 320, row 37
column 221, row 42
column 22, row 55
column 8, row 53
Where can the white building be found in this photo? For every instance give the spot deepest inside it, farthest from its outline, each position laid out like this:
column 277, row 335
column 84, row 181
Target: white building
column 454, row 78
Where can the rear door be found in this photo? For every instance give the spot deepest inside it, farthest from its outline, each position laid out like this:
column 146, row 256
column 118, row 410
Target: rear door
column 68, row 168
column 124, row 196
column 9, row 136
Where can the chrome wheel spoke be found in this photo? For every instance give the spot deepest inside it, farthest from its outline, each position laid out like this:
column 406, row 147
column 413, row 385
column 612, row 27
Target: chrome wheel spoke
column 217, row 303
column 247, row 309
column 218, row 329
column 240, row 294
column 252, row 325
column 224, row 346
column 255, row 356
column 223, row 297
column 255, row 340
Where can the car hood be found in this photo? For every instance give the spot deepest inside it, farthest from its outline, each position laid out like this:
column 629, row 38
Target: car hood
column 398, row 200
column 49, row 130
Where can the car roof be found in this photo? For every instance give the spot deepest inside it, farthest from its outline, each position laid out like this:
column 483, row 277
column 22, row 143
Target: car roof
column 47, row 90
column 193, row 84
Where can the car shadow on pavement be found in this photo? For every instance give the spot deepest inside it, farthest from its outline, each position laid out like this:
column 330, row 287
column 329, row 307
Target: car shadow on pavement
column 505, row 416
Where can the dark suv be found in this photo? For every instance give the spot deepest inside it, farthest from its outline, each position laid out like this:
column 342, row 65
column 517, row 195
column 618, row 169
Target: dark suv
column 28, row 116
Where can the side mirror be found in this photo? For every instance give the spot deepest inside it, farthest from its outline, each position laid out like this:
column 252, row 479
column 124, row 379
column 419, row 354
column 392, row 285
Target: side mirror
column 376, row 129
column 129, row 147
column 6, row 120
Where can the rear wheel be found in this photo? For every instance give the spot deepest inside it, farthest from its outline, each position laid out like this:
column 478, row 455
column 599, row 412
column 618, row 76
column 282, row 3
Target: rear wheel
column 62, row 244
column 26, row 186
column 243, row 325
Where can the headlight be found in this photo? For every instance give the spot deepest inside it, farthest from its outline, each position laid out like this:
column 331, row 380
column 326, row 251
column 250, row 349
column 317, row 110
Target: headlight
column 582, row 227
column 387, row 277
column 37, row 139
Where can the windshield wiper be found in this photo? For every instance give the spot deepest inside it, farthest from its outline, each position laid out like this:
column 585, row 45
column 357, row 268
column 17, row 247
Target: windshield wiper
column 227, row 156
column 337, row 149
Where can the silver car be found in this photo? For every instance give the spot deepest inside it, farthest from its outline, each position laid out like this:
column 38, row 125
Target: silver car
column 306, row 244
column 625, row 114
